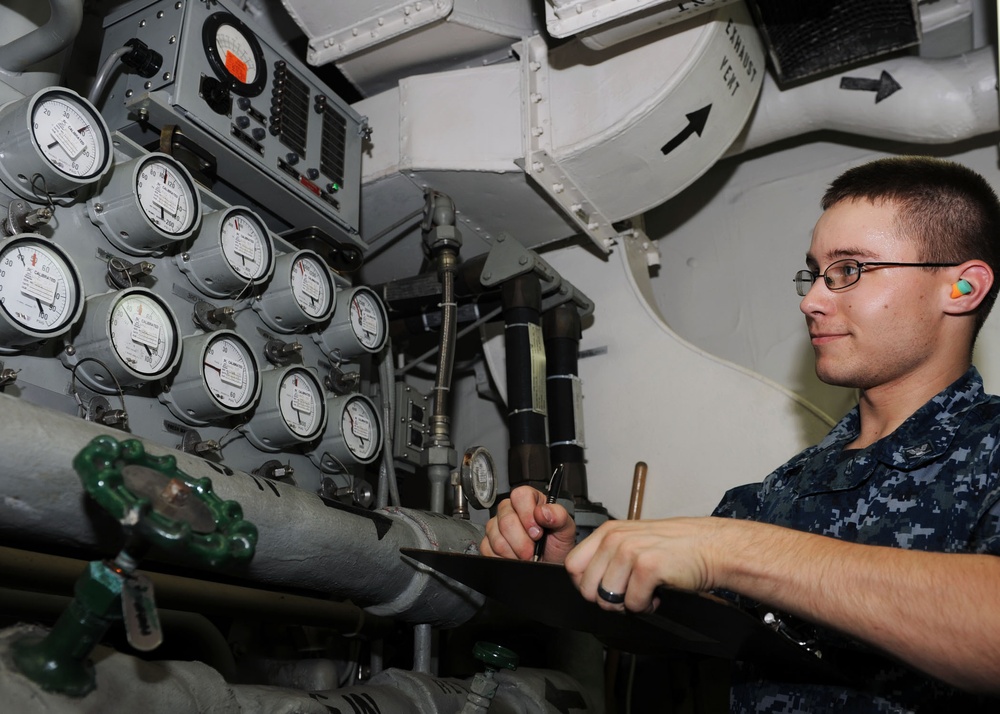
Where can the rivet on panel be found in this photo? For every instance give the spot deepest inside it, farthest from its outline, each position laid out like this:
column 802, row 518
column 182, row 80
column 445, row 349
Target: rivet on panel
column 537, row 166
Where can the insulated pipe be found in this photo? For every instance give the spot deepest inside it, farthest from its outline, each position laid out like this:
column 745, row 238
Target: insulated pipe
column 65, row 19
column 528, row 457
column 305, row 542
column 911, row 99
column 439, row 470
column 562, row 329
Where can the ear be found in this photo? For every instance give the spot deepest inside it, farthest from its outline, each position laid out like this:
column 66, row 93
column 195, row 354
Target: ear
column 979, row 276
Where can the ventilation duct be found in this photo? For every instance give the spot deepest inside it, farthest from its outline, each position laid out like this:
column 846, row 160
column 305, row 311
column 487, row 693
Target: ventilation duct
column 810, row 38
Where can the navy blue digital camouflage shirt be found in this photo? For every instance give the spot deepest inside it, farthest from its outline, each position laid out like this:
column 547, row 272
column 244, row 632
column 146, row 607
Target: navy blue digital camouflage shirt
column 933, row 485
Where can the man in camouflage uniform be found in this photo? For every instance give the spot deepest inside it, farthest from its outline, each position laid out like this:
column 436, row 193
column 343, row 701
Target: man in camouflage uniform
column 884, row 535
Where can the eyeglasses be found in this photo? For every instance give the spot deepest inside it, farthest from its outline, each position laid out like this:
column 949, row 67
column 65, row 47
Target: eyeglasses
column 844, row 273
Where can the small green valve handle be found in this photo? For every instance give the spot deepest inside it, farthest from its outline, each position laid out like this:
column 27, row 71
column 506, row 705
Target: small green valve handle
column 484, row 686
column 158, row 505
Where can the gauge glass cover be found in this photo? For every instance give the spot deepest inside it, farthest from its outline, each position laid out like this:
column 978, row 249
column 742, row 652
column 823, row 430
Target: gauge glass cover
column 165, row 196
column 360, row 429
column 244, row 244
column 367, row 320
column 310, row 286
column 68, row 136
column 229, row 372
column 37, row 289
column 142, row 334
column 300, row 403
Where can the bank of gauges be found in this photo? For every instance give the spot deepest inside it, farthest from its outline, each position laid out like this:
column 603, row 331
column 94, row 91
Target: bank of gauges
column 301, row 294
column 358, row 326
column 52, row 143
column 292, row 409
column 233, row 250
column 353, row 434
column 40, row 291
column 149, row 204
column 127, row 338
column 218, row 377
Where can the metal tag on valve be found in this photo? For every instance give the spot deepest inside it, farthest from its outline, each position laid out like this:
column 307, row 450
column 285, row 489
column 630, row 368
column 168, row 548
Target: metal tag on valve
column 142, row 624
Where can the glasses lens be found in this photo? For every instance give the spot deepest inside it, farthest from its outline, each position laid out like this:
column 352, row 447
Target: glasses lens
column 842, row 274
column 803, row 281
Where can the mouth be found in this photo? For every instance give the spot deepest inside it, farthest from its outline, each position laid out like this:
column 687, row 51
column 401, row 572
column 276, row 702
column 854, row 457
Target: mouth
column 823, row 338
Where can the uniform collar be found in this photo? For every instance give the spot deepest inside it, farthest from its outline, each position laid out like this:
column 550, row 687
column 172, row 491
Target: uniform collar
column 922, row 438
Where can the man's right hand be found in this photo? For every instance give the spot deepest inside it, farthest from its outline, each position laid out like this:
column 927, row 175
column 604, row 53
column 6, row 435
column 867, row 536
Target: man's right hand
column 521, row 520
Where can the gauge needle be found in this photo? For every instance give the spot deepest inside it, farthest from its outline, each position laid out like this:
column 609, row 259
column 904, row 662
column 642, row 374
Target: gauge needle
column 21, row 257
column 41, row 309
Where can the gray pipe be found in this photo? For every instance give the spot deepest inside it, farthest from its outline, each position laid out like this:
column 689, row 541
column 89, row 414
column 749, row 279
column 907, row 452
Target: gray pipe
column 65, row 19
column 304, row 541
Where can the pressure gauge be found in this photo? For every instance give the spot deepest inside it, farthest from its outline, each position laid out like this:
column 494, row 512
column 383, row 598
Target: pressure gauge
column 292, row 409
column 127, row 338
column 53, row 142
column 234, row 53
column 353, row 434
column 358, row 325
column 232, row 250
column 479, row 477
column 218, row 377
column 40, row 290
column 302, row 293
column 149, row 203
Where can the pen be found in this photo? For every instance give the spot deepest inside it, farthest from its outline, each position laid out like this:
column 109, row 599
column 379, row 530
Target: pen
column 552, row 493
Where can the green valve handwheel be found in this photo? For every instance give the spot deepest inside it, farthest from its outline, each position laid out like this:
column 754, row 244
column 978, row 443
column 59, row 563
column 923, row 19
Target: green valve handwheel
column 162, row 504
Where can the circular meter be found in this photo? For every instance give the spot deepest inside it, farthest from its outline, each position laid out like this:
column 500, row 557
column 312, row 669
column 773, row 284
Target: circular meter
column 479, row 477
column 232, row 250
column 234, row 54
column 53, row 142
column 218, row 377
column 353, row 434
column 149, row 203
column 302, row 293
column 40, row 290
column 292, row 409
column 127, row 338
column 358, row 325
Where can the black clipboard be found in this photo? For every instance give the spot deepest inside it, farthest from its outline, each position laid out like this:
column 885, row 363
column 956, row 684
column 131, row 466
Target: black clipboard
column 684, row 623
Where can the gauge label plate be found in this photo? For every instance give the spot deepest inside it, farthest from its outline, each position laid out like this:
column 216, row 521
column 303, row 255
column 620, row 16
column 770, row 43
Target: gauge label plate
column 302, row 400
column 361, row 425
column 145, row 332
column 70, row 141
column 166, row 198
column 231, row 373
column 39, row 285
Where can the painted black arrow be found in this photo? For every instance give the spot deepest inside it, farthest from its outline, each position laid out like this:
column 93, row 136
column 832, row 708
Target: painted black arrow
column 883, row 87
column 696, row 123
column 563, row 699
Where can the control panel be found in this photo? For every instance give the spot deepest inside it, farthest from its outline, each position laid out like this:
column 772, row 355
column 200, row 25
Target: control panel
column 252, row 114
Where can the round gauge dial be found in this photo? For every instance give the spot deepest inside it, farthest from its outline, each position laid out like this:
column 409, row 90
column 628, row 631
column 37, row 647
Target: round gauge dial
column 70, row 135
column 368, row 320
column 143, row 334
column 311, row 286
column 234, row 53
column 300, row 401
column 230, row 372
column 39, row 287
column 359, row 426
column 479, row 480
column 167, row 196
column 246, row 245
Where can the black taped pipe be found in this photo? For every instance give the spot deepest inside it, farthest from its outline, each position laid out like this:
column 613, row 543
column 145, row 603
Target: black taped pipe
column 528, row 457
column 563, row 329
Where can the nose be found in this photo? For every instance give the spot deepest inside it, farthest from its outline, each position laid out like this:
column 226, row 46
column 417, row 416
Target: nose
column 817, row 300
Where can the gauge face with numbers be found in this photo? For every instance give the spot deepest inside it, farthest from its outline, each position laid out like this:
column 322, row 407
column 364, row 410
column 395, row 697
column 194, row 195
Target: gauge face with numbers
column 230, row 372
column 301, row 403
column 166, row 196
column 234, row 53
column 39, row 290
column 368, row 320
column 311, row 286
column 479, row 477
column 246, row 245
column 69, row 135
column 360, row 429
column 143, row 334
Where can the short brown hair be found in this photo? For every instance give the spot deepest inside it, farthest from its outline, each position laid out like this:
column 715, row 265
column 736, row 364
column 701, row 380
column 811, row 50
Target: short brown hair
column 951, row 210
